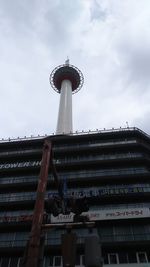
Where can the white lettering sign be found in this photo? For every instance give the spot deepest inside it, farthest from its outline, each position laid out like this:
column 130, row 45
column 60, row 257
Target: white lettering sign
column 106, row 215
column 20, row 165
column 102, row 191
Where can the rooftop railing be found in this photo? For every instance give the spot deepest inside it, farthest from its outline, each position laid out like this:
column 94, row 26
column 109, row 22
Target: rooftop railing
column 104, row 130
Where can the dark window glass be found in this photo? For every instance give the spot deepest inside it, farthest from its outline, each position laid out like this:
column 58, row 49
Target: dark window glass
column 19, row 262
column 83, row 260
column 123, row 257
column 5, row 262
column 106, row 233
column 123, row 233
column 57, row 260
column 51, row 261
column 139, row 232
column 105, row 258
column 132, row 257
column 112, row 258
column 148, row 256
column 78, row 259
column 13, row 262
column 142, row 257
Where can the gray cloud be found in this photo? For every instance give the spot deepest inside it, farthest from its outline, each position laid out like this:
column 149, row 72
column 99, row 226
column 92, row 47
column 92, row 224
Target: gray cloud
column 102, row 37
column 98, row 11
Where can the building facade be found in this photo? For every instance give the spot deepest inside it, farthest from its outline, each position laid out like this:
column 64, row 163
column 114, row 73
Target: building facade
column 111, row 168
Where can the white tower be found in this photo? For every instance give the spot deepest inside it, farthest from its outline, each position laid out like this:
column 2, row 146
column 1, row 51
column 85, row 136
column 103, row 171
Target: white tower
column 66, row 79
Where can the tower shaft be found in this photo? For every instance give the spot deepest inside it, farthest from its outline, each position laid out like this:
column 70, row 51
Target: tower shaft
column 64, row 123
column 66, row 80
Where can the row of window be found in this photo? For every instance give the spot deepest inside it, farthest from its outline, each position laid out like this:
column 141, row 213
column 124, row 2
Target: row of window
column 79, row 174
column 90, row 157
column 127, row 257
column 95, row 143
column 78, row 157
column 15, row 213
column 56, row 261
column 20, row 152
column 109, row 258
column 10, row 262
column 103, row 172
column 107, row 233
column 113, row 233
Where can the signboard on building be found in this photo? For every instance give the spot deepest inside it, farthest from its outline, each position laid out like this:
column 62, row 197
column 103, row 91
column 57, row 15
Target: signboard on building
column 111, row 214
column 105, row 191
column 20, row 218
column 20, row 165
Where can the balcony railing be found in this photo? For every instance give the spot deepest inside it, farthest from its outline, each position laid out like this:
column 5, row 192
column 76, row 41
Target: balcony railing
column 40, row 137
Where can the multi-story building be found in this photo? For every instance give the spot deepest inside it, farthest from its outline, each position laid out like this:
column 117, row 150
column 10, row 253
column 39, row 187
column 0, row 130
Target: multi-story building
column 110, row 167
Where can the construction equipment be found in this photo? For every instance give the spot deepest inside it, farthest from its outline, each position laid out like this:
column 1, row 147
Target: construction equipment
column 34, row 250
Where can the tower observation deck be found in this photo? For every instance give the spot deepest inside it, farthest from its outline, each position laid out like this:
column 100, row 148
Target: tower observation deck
column 66, row 79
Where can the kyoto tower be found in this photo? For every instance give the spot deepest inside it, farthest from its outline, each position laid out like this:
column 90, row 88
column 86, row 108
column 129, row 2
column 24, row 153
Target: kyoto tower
column 66, row 79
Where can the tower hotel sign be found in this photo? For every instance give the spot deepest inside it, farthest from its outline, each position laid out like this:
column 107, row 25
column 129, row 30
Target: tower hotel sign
column 20, row 165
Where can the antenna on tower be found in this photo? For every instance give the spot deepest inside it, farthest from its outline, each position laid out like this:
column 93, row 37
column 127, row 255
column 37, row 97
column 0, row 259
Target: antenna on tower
column 67, row 61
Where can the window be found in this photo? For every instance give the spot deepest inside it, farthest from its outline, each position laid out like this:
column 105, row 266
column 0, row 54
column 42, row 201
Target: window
column 113, row 258
column 13, row 262
column 21, row 238
column 148, row 256
column 5, row 262
column 141, row 257
column 78, row 259
column 82, row 260
column 105, row 258
column 139, row 232
column 132, row 257
column 106, row 233
column 57, row 261
column 123, row 257
column 50, row 261
column 123, row 233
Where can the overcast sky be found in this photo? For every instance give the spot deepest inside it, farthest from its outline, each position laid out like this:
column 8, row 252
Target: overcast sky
column 108, row 40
